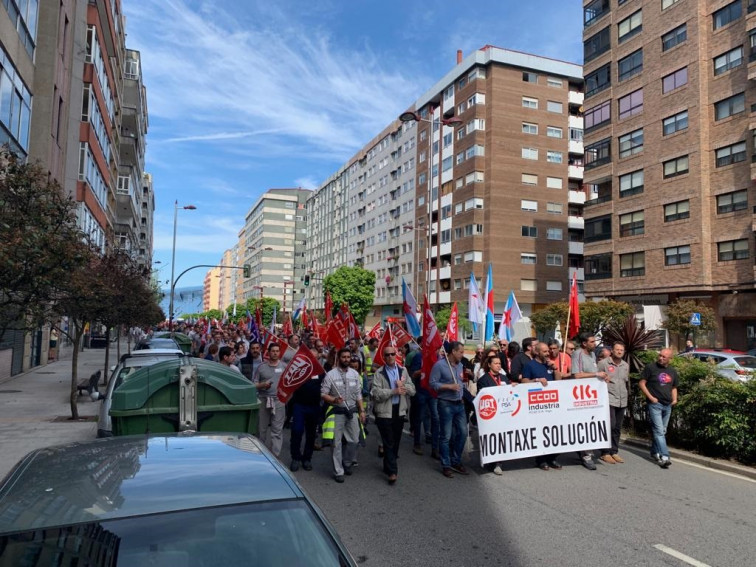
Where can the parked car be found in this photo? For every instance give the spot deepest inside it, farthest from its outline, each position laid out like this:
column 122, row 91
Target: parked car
column 732, row 364
column 129, row 364
column 169, row 500
column 157, row 342
column 182, row 340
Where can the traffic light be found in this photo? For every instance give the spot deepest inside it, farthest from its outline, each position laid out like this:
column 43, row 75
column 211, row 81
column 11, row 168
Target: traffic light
column 307, row 280
column 247, row 270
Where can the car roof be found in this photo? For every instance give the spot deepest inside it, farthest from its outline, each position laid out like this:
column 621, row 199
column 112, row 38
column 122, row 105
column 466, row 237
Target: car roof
column 151, row 352
column 717, row 351
column 120, row 477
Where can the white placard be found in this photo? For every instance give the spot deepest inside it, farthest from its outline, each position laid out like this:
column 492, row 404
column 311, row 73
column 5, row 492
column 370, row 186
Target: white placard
column 526, row 420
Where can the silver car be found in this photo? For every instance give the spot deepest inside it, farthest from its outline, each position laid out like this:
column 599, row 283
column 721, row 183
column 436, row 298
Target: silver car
column 732, row 364
column 129, row 364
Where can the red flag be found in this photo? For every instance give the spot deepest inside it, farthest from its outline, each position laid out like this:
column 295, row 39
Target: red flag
column 336, row 332
column 375, row 332
column 401, row 336
column 288, row 327
column 328, row 307
column 258, row 317
column 574, row 328
column 432, row 341
column 384, row 342
column 305, row 319
column 300, row 369
column 268, row 338
column 452, row 328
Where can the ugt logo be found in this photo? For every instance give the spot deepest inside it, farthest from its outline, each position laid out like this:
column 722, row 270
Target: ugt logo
column 299, row 371
column 487, row 406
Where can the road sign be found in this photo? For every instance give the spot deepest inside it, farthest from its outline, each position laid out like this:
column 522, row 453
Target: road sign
column 695, row 319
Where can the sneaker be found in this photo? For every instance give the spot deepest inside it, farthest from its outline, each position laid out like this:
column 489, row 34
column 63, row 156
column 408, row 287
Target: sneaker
column 497, row 470
column 435, row 455
column 460, row 468
column 339, row 478
column 294, row 466
column 418, row 450
column 543, row 466
column 589, row 464
column 618, row 459
column 665, row 463
column 607, row 459
column 555, row 465
column 447, row 472
column 656, row 457
column 348, row 471
column 307, row 465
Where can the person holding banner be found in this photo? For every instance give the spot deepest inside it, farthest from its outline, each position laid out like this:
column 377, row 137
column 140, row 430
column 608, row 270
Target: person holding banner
column 446, row 378
column 584, row 366
column 272, row 411
column 492, row 376
column 390, row 391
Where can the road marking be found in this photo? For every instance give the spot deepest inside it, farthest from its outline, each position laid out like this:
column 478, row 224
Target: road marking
column 681, row 556
column 710, row 469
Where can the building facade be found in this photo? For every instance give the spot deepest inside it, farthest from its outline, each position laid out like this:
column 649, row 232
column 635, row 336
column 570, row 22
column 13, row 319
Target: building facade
column 668, row 131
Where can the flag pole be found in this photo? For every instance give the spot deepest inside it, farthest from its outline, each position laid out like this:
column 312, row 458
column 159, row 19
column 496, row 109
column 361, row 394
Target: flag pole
column 567, row 327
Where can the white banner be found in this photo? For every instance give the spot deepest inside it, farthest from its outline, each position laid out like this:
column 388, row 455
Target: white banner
column 526, row 420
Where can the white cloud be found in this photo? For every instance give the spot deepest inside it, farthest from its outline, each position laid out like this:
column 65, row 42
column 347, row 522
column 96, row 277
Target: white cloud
column 307, row 182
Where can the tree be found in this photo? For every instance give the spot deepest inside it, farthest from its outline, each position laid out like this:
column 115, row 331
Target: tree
column 635, row 338
column 595, row 316
column 354, row 286
column 443, row 314
column 37, row 229
column 267, row 304
column 679, row 313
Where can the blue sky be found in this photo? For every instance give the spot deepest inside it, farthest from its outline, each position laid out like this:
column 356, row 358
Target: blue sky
column 246, row 95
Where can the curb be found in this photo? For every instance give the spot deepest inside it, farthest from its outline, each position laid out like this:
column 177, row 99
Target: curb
column 716, row 464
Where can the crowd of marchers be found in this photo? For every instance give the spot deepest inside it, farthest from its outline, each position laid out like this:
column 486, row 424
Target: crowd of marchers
column 371, row 385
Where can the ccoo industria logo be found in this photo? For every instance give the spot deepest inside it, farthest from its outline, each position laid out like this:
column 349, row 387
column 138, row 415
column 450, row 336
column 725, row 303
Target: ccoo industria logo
column 543, row 400
column 299, row 371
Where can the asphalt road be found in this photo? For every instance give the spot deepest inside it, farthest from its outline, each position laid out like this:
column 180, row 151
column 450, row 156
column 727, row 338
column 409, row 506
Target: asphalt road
column 618, row 515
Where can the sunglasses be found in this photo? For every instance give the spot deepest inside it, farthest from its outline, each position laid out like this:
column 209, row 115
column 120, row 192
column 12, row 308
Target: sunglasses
column 389, row 354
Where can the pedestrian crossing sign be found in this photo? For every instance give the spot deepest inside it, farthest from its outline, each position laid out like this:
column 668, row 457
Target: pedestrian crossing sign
column 695, row 319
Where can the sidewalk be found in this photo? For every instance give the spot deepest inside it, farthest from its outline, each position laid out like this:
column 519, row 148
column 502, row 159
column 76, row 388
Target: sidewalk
column 34, row 406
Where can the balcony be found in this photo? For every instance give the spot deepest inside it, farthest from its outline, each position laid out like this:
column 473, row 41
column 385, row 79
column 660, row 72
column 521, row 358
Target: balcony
column 576, row 197
column 575, row 171
column 444, row 273
column 579, row 271
column 575, row 147
column 443, row 297
column 575, row 223
column 753, row 224
column 575, row 248
column 574, row 97
column 575, row 122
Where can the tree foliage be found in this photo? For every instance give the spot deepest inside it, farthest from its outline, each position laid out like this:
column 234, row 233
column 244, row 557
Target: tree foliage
column 354, row 286
column 595, row 316
column 443, row 314
column 679, row 313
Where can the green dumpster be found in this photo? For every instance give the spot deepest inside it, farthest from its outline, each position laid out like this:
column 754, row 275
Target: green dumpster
column 182, row 340
column 185, row 394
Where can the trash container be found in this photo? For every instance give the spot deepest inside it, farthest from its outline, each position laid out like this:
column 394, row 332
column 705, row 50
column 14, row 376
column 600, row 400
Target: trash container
column 185, row 394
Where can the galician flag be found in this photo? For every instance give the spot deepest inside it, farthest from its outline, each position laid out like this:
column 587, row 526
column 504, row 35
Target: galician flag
column 511, row 315
column 300, row 307
column 489, row 329
column 474, row 303
column 410, row 310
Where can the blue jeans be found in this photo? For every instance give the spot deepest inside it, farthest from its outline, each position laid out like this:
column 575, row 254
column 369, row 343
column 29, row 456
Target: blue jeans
column 427, row 412
column 452, row 416
column 658, row 417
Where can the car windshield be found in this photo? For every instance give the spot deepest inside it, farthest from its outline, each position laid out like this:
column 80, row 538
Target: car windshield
column 285, row 534
column 159, row 343
column 746, row 361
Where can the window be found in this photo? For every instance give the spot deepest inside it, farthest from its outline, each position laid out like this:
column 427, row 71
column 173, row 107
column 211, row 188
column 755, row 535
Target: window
column 598, row 115
column 674, row 167
column 596, row 45
column 675, row 123
column 731, row 154
column 554, row 260
column 598, row 153
column 529, row 77
column 630, row 26
column 674, row 37
column 594, row 11
column 554, row 234
column 632, row 224
column 528, row 285
column 530, row 206
column 728, row 14
column 677, row 211
column 554, row 182
column 630, row 104
column 667, row 3
column 527, row 258
column 528, row 102
column 729, row 202
column 576, row 134
column 553, row 286
column 630, row 65
column 729, row 60
column 729, row 106
column 598, row 267
column 529, row 179
column 554, row 208
column 530, row 231
column 631, row 183
column 553, row 106
column 675, row 80
column 529, row 153
column 476, row 150
column 554, row 82
column 528, row 128
column 474, row 256
column 631, row 144
column 553, row 156
column 732, row 250
column 677, row 255
column 553, row 132
column 632, row 265
column 598, row 228
column 599, row 80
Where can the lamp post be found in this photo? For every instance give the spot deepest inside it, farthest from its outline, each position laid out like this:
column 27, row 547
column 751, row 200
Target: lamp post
column 411, row 116
column 173, row 257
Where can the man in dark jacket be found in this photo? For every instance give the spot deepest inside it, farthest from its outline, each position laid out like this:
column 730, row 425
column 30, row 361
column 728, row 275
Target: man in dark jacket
column 306, row 414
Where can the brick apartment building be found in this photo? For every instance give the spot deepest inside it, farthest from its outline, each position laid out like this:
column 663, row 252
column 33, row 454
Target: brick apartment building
column 668, row 130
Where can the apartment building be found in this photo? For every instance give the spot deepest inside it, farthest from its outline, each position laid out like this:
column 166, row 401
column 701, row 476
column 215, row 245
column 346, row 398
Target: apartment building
column 668, row 130
column 274, row 240
column 211, row 290
column 499, row 177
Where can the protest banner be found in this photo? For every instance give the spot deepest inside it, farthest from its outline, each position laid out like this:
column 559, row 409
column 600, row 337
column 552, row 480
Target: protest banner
column 526, row 420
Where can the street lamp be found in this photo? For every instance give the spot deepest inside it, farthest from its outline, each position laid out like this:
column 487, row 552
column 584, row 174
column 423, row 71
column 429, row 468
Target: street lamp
column 173, row 257
column 411, row 116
